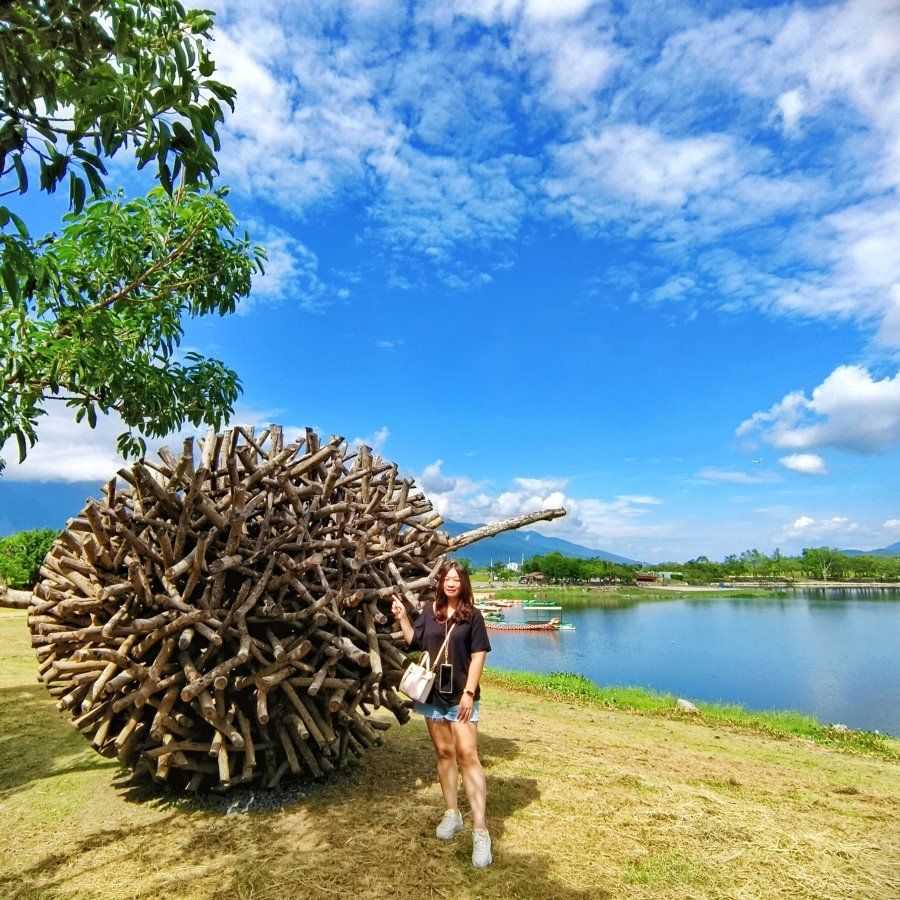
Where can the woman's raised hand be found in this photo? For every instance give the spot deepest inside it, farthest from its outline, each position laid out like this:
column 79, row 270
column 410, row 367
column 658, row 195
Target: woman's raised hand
column 398, row 610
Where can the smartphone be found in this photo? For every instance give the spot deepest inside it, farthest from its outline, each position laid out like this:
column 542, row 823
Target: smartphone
column 445, row 679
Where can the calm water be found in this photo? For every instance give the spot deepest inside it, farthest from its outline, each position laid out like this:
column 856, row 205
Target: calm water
column 831, row 654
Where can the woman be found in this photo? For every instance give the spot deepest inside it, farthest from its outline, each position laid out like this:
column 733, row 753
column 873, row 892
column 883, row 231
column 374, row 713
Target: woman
column 451, row 709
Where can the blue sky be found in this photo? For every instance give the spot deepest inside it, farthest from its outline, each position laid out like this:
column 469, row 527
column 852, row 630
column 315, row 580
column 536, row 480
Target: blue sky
column 639, row 260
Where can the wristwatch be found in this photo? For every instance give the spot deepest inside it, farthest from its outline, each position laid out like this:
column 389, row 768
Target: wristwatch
column 470, row 693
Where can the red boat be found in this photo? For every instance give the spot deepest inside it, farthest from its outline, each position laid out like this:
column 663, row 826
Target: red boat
column 523, row 626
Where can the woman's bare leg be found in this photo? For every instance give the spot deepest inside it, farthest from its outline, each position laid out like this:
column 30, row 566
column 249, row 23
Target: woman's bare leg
column 445, row 747
column 465, row 736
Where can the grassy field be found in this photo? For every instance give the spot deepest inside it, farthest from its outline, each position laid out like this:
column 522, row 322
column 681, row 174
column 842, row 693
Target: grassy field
column 584, row 802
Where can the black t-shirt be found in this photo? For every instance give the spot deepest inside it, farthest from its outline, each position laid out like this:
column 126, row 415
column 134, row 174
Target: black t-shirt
column 465, row 639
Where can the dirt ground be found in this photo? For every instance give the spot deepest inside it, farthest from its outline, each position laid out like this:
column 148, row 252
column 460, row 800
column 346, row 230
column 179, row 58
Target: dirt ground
column 582, row 803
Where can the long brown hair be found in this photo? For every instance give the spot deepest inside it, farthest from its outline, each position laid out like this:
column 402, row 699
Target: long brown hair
column 466, row 602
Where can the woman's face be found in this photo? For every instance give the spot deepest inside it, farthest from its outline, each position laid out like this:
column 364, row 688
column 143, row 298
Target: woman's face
column 451, row 585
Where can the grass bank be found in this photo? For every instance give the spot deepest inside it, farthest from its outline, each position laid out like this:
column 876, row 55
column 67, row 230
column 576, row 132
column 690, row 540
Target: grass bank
column 586, row 800
column 622, row 596
column 777, row 723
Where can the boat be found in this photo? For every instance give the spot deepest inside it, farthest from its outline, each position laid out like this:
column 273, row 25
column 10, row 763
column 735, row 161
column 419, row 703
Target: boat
column 546, row 614
column 540, row 616
column 489, row 607
column 552, row 625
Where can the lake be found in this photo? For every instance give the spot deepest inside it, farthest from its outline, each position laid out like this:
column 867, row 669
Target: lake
column 832, row 654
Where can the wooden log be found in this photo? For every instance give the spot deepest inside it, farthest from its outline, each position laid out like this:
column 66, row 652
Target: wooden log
column 227, row 620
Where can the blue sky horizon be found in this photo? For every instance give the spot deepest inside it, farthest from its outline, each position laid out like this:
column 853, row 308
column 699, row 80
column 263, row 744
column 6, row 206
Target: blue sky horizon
column 639, row 261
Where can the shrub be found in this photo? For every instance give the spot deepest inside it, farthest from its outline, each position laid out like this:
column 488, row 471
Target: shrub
column 21, row 556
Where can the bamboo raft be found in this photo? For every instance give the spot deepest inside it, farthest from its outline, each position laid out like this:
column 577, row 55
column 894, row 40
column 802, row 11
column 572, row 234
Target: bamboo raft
column 223, row 618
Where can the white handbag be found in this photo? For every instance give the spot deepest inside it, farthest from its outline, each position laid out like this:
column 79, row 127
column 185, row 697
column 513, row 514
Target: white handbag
column 419, row 677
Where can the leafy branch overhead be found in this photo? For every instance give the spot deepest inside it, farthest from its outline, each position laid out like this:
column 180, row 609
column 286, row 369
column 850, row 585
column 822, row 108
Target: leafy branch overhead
column 92, row 316
column 83, row 80
column 99, row 309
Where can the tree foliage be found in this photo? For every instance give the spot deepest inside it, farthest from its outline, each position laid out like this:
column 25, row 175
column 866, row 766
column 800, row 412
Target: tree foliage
column 82, row 80
column 21, row 556
column 566, row 569
column 92, row 316
column 819, row 563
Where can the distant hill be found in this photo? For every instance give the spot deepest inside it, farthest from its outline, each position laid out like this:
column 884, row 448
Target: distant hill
column 515, row 545
column 892, row 550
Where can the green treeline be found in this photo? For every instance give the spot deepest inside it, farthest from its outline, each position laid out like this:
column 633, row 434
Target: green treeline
column 820, row 563
column 21, row 556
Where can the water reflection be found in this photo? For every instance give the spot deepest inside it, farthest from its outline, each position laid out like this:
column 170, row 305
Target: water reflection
column 834, row 657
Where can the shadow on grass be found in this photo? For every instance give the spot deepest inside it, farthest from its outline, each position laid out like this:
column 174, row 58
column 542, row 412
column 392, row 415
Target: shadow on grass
column 37, row 742
column 367, row 832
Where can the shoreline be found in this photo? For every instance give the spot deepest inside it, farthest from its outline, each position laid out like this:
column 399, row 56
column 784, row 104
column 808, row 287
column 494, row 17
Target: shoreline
column 782, row 586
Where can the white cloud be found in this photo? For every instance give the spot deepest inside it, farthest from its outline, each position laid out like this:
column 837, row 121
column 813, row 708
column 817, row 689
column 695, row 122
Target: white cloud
column 804, row 463
column 889, row 329
column 460, row 124
column 849, row 411
column 809, row 531
column 732, row 476
column 375, row 441
column 588, row 521
column 541, row 485
column 637, row 164
column 447, row 492
column 839, row 531
column 790, row 108
column 544, row 11
column 433, row 204
column 67, row 451
column 291, row 273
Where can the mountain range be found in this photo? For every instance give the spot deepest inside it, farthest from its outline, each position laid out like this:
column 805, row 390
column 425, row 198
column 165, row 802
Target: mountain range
column 514, row 546
column 892, row 550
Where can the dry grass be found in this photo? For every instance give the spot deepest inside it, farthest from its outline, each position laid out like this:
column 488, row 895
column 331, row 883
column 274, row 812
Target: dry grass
column 582, row 804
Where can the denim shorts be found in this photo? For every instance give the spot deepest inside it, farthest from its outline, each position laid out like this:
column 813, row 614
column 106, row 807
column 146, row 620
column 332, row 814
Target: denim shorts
column 440, row 713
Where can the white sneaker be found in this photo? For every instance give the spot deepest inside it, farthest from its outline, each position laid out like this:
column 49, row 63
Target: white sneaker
column 449, row 825
column 481, row 849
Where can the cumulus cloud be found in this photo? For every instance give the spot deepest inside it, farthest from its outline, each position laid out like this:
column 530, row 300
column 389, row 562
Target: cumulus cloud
column 809, row 530
column 850, row 411
column 69, row 451
column 804, row 463
column 588, row 521
column 375, row 441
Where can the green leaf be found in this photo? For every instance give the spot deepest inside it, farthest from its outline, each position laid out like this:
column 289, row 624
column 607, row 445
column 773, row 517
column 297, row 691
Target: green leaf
column 20, row 226
column 76, row 192
column 21, row 173
column 165, row 177
column 10, row 282
column 98, row 187
column 180, row 57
